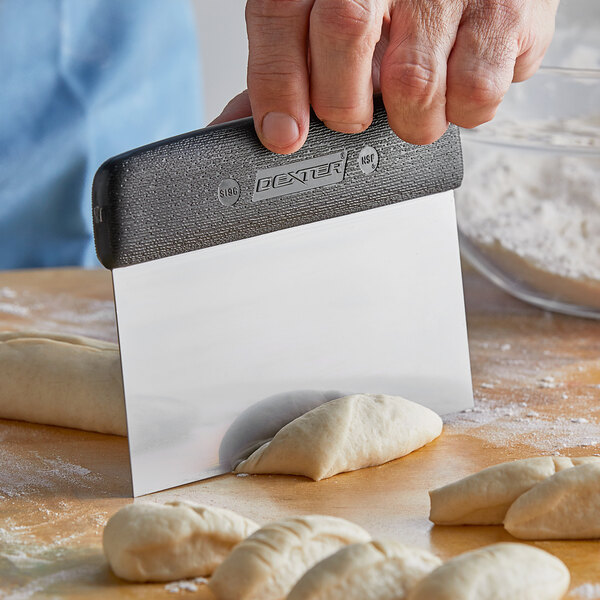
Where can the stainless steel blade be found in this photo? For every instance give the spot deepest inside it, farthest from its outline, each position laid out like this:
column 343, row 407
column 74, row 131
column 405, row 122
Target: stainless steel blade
column 218, row 343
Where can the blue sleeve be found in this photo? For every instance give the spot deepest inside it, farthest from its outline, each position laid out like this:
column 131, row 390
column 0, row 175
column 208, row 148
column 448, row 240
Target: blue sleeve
column 82, row 80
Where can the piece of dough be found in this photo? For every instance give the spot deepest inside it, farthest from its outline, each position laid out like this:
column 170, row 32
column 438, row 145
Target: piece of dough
column 346, row 434
column 484, row 498
column 564, row 506
column 262, row 420
column 368, row 571
column 165, row 542
column 499, row 572
column 266, row 565
column 62, row 380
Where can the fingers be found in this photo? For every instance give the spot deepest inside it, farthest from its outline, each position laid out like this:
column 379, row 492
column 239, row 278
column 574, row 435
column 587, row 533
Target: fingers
column 447, row 60
column 278, row 83
column 527, row 64
column 453, row 61
column 343, row 35
column 413, row 69
column 237, row 108
column 533, row 50
column 482, row 62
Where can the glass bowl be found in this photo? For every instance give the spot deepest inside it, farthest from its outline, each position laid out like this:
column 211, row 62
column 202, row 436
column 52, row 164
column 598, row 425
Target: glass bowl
column 529, row 207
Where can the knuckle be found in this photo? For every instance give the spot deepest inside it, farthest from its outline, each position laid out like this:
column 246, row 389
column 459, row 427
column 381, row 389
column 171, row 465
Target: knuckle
column 496, row 26
column 496, row 48
column 480, row 90
column 411, row 80
column 346, row 19
column 508, row 13
column 504, row 14
column 268, row 66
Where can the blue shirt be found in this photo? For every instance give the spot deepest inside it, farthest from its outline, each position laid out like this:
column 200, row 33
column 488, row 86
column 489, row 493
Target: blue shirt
column 80, row 81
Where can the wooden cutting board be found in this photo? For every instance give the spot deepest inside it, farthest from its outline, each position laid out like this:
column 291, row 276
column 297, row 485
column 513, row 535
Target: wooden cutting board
column 537, row 386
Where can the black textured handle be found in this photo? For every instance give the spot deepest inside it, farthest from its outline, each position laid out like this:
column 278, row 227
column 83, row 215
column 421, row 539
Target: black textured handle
column 219, row 184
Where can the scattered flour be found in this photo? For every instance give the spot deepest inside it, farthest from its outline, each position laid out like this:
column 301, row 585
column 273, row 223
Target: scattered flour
column 32, row 589
column 547, row 382
column 589, row 591
column 6, row 292
column 185, row 585
column 14, row 309
column 25, row 478
column 500, row 423
column 62, row 313
column 63, row 469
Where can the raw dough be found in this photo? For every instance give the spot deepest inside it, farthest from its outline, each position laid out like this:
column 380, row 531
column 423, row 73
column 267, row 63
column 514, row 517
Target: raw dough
column 565, row 506
column 369, row 571
column 261, row 421
column 268, row 564
column 484, row 498
column 61, row 380
column 166, row 542
column 346, row 434
column 498, row 572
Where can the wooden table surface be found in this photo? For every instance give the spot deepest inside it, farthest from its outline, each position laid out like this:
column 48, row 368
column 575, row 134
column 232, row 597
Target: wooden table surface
column 536, row 381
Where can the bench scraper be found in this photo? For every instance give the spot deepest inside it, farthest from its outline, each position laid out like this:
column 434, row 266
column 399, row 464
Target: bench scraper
column 250, row 286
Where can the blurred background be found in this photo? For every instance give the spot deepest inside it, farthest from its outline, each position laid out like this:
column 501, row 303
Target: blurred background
column 223, row 51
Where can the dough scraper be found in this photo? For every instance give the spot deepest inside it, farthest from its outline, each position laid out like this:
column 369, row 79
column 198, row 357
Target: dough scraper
column 250, row 287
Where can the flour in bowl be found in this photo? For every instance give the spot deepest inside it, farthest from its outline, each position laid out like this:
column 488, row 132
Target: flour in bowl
column 536, row 216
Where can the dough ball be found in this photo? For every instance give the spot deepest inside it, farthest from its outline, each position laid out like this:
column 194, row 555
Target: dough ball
column 498, row 572
column 565, row 506
column 484, row 498
column 61, row 380
column 346, row 434
column 368, row 571
column 266, row 565
column 165, row 542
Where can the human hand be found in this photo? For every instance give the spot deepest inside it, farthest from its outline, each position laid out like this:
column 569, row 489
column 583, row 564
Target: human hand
column 434, row 61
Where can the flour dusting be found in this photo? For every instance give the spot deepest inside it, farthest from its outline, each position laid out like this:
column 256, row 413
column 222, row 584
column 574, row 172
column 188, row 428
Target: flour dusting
column 589, row 591
column 14, row 309
column 31, row 589
column 25, row 478
column 185, row 585
column 510, row 420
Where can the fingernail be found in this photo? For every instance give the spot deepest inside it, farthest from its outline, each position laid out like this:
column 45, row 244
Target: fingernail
column 279, row 130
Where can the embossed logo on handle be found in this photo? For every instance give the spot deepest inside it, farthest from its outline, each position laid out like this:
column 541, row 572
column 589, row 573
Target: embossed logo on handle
column 299, row 176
